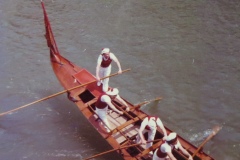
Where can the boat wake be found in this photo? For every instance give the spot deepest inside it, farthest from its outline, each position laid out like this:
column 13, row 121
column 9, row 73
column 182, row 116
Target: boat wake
column 60, row 153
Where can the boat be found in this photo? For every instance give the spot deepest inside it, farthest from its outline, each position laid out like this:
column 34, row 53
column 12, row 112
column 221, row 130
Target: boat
column 82, row 90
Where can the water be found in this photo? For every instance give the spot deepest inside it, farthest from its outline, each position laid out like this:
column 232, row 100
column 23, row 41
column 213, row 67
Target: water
column 185, row 51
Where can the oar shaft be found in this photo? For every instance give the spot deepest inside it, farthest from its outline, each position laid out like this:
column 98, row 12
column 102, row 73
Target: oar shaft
column 56, row 94
column 122, row 147
column 26, row 105
column 96, row 80
column 125, row 112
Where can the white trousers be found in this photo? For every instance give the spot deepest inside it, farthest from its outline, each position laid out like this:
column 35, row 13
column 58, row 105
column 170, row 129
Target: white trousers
column 102, row 113
column 151, row 135
column 103, row 72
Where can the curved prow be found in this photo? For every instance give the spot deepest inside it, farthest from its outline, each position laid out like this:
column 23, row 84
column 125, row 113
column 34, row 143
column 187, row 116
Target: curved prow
column 54, row 53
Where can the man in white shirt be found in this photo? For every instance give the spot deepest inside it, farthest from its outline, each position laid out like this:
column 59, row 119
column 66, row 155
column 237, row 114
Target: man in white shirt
column 164, row 152
column 150, row 124
column 103, row 68
column 105, row 100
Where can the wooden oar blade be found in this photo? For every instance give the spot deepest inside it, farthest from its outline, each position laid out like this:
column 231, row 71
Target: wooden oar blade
column 158, row 99
column 137, row 106
column 215, row 130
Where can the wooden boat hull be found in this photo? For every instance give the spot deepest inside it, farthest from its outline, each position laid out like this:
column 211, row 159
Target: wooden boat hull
column 125, row 127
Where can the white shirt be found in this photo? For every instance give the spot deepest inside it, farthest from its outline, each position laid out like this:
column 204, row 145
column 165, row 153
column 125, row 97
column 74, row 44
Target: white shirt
column 112, row 57
column 105, row 98
column 151, row 123
column 168, row 148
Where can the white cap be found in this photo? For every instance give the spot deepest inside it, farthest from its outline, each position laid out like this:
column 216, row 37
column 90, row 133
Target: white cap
column 171, row 136
column 113, row 92
column 105, row 50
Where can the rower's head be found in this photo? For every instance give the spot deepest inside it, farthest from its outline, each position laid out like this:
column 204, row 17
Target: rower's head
column 105, row 52
column 172, row 138
column 112, row 92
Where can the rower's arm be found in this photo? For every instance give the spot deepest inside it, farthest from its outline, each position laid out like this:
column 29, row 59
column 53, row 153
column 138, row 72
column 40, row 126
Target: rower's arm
column 140, row 131
column 123, row 102
column 171, row 156
column 98, row 67
column 161, row 126
column 185, row 152
column 115, row 59
column 114, row 108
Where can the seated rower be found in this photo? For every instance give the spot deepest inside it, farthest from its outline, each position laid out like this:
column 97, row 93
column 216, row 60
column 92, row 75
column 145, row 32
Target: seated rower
column 150, row 124
column 164, row 152
column 105, row 100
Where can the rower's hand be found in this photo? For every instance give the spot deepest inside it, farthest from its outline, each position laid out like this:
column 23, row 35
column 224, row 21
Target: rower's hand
column 120, row 112
column 164, row 138
column 127, row 109
column 98, row 79
column 120, row 71
column 143, row 141
column 190, row 158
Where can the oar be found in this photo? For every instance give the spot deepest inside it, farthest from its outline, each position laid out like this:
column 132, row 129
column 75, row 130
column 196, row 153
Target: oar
column 56, row 94
column 112, row 150
column 216, row 129
column 137, row 106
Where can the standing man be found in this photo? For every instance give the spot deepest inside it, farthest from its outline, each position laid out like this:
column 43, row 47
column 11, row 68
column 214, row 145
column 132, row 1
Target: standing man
column 103, row 68
column 150, row 124
column 104, row 101
column 164, row 152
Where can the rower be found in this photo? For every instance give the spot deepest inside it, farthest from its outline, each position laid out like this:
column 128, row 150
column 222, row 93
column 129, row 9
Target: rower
column 149, row 125
column 105, row 100
column 103, row 68
column 165, row 150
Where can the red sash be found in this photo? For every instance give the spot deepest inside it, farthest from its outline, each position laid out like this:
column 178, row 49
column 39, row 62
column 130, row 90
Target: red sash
column 100, row 104
column 160, row 154
column 106, row 63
